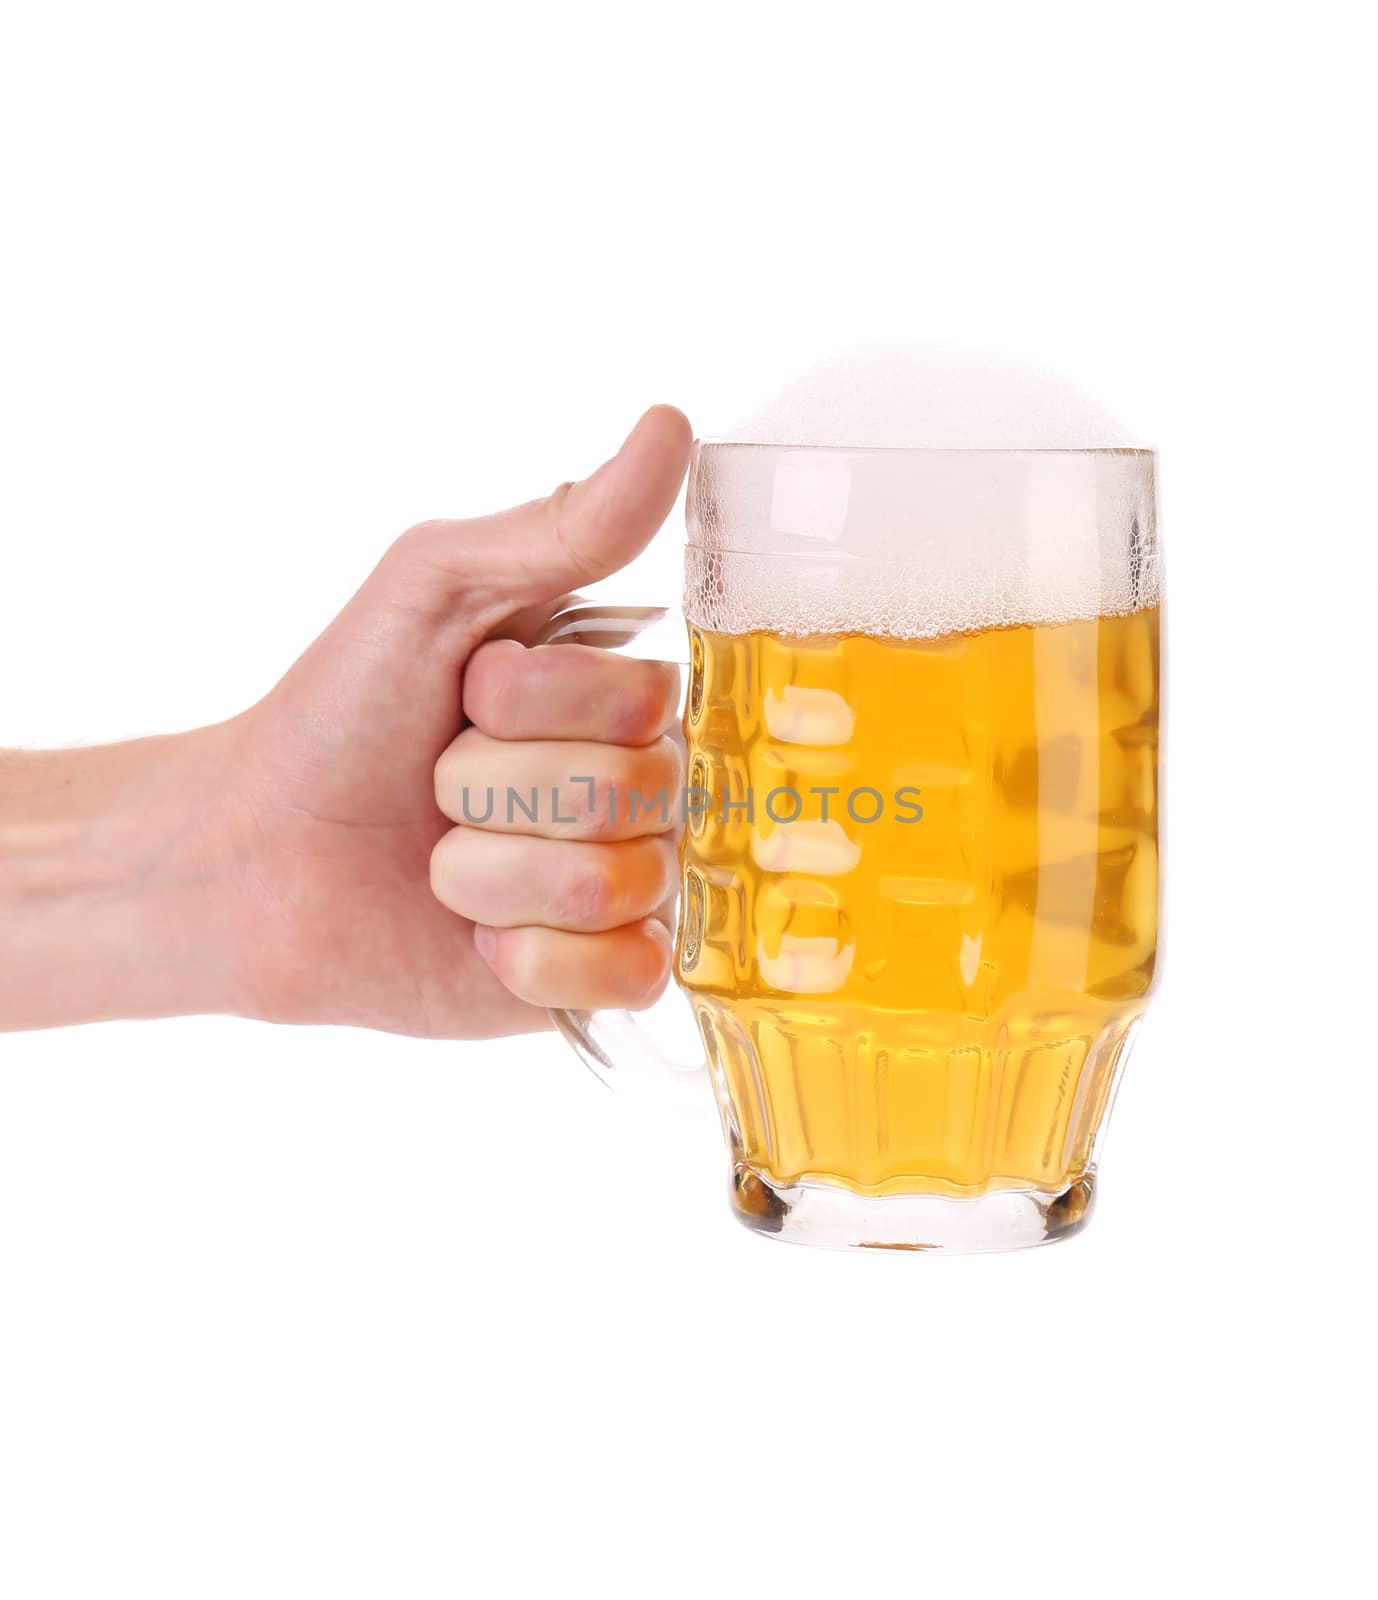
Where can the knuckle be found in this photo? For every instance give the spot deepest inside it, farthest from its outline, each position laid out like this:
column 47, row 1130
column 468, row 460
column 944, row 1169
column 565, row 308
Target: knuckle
column 599, row 808
column 665, row 689
column 654, row 876
column 638, row 798
column 520, row 953
column 450, row 874
column 453, row 769
column 417, row 548
column 422, row 533
column 554, row 503
column 491, row 680
column 556, row 510
column 635, row 794
column 648, row 967
column 587, row 896
column 406, row 546
column 443, row 776
column 641, row 710
column 665, row 763
column 667, row 859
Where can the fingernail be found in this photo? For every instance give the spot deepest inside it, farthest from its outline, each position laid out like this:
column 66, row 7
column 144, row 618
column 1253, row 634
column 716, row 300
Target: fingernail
column 485, row 941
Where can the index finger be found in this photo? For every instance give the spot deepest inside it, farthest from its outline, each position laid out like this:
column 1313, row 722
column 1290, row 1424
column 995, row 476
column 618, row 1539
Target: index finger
column 568, row 691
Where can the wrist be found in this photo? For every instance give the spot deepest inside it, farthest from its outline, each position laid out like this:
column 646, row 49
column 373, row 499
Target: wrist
column 111, row 893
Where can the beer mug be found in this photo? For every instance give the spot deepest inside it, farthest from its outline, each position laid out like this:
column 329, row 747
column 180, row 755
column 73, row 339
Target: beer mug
column 919, row 883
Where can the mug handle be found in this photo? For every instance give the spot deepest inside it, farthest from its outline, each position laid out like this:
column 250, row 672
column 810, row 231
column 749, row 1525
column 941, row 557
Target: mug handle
column 664, row 1033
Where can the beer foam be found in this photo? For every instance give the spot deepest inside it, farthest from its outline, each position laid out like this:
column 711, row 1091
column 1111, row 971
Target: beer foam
column 928, row 397
column 910, row 493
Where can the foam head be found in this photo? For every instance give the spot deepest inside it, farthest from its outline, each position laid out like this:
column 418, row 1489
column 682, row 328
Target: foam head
column 908, row 493
column 917, row 396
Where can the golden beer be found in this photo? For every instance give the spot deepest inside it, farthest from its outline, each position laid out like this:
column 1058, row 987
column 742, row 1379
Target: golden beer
column 919, row 863
column 920, row 901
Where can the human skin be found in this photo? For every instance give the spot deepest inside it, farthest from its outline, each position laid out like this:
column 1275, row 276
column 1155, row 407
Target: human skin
column 301, row 863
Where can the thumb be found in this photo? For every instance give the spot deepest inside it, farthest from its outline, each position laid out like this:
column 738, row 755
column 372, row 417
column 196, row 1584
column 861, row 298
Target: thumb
column 581, row 532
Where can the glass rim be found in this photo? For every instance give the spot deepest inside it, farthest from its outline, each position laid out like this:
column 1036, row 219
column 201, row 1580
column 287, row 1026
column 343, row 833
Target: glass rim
column 933, row 449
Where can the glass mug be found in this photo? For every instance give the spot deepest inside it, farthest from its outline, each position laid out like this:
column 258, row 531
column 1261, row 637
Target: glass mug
column 919, row 884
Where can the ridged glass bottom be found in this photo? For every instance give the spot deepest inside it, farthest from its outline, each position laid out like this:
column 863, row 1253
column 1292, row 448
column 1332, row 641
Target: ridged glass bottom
column 840, row 1219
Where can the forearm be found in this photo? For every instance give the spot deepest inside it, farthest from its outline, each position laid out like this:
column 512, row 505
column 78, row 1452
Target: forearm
column 109, row 899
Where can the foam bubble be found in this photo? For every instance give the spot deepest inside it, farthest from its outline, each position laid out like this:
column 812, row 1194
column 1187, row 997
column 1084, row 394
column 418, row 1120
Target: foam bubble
column 911, row 494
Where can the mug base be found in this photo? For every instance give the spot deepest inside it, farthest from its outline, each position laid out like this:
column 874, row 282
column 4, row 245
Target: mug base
column 835, row 1218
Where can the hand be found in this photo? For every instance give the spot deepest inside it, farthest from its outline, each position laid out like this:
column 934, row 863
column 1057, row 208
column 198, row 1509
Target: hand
column 280, row 865
column 335, row 819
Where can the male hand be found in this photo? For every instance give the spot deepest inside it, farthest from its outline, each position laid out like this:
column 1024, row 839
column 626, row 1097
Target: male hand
column 302, row 862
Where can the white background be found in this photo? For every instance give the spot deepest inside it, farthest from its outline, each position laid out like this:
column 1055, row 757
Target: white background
column 313, row 1312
